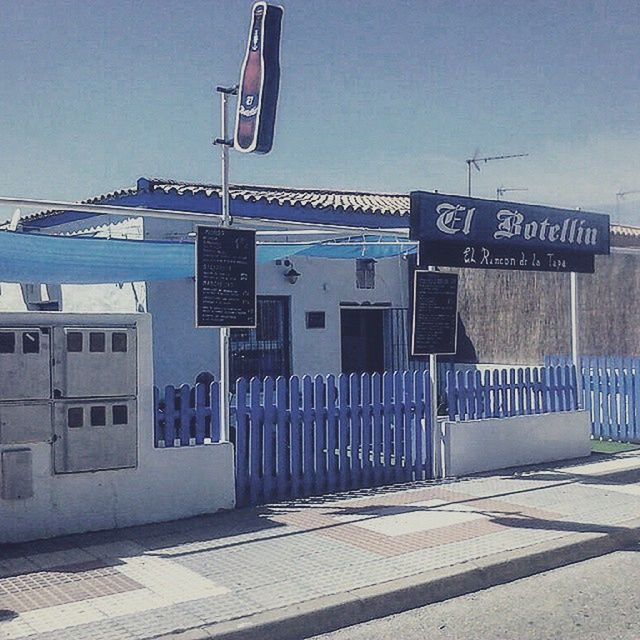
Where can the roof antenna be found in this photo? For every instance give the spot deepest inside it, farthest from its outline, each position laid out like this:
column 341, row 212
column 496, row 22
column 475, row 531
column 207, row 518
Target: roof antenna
column 473, row 162
column 500, row 191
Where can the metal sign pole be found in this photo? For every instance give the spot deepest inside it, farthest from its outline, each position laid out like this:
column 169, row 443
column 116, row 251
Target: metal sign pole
column 437, row 463
column 575, row 342
column 225, row 395
column 436, row 456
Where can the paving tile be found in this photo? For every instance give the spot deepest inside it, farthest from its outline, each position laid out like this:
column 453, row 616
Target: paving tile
column 186, row 574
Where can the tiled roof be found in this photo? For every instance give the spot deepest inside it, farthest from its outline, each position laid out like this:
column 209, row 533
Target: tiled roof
column 388, row 204
column 625, row 230
column 365, row 202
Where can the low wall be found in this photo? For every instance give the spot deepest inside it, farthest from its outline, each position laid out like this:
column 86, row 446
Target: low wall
column 167, row 484
column 499, row 443
column 164, row 484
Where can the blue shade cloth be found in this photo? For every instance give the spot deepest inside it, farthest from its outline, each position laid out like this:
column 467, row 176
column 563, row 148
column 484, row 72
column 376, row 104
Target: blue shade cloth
column 78, row 260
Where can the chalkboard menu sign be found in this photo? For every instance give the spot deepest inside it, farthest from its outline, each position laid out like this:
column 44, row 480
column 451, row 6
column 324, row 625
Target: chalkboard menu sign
column 225, row 277
column 435, row 313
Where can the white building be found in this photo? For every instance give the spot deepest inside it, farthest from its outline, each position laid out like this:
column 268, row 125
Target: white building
column 339, row 315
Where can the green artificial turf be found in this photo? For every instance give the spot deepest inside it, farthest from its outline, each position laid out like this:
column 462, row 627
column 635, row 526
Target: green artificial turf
column 605, row 446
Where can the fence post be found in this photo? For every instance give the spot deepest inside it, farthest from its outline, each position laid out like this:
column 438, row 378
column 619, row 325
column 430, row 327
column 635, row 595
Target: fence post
column 452, row 395
column 295, row 436
column 408, row 406
column 387, row 388
column 320, row 434
column 269, row 439
column 157, row 416
column 169, row 416
column 242, row 443
column 332, row 435
column 201, row 411
column 378, row 445
column 355, row 411
column 367, row 423
column 308, row 473
column 255, row 442
column 343, row 429
column 419, row 413
column 283, row 444
column 398, row 424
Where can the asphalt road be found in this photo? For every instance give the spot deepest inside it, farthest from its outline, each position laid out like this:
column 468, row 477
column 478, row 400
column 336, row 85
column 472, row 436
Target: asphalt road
column 597, row 599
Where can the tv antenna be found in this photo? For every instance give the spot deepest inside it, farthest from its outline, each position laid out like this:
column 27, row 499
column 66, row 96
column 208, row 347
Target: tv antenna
column 620, row 196
column 500, row 191
column 475, row 162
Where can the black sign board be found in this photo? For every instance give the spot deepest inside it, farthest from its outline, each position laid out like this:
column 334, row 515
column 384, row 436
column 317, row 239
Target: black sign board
column 225, row 277
column 491, row 256
column 474, row 221
column 435, row 313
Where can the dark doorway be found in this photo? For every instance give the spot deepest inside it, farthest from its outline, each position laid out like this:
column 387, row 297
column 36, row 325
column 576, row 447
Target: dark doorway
column 362, row 340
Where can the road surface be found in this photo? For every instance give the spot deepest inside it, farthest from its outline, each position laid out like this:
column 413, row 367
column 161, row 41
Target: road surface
column 593, row 600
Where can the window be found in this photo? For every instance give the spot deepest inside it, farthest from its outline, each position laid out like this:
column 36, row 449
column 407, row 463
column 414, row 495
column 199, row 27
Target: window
column 315, row 319
column 98, row 416
column 120, row 414
column 119, row 342
column 30, row 342
column 96, row 342
column 365, row 273
column 75, row 417
column 265, row 350
column 7, row 342
column 74, row 341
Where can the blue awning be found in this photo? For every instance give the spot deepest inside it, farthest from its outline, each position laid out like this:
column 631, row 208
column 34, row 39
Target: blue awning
column 79, row 260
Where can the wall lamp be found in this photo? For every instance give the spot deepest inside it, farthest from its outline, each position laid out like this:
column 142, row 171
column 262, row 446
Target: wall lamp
column 290, row 275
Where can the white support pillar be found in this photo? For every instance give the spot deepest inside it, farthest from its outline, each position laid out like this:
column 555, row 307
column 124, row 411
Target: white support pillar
column 575, row 338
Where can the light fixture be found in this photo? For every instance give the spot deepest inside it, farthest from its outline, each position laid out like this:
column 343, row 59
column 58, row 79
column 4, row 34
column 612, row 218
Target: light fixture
column 290, row 275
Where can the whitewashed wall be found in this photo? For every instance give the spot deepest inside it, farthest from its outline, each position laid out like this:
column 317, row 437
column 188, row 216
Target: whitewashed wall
column 180, row 350
column 166, row 484
column 499, row 443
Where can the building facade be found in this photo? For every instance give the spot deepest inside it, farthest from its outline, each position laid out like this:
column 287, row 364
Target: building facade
column 336, row 315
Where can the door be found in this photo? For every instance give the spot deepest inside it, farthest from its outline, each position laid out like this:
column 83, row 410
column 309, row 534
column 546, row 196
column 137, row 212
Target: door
column 362, row 340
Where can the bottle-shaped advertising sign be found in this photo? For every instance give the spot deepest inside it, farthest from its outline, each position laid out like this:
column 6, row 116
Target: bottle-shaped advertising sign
column 259, row 81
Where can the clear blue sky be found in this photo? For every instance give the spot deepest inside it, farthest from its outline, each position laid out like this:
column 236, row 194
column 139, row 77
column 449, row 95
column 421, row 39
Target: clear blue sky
column 375, row 95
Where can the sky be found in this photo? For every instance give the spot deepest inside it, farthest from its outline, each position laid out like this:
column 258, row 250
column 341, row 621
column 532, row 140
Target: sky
column 386, row 96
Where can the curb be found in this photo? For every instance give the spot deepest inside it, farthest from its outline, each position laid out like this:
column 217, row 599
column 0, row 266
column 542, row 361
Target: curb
column 329, row 613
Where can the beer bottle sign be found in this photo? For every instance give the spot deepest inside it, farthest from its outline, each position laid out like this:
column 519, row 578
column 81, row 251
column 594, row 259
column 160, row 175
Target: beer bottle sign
column 259, row 81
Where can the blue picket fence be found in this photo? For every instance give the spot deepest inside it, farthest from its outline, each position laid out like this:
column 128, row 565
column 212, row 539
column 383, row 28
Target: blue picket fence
column 187, row 415
column 297, row 437
column 611, row 394
column 309, row 436
column 500, row 393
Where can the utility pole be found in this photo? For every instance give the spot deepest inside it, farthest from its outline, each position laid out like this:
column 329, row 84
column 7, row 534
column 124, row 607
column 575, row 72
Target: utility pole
column 475, row 160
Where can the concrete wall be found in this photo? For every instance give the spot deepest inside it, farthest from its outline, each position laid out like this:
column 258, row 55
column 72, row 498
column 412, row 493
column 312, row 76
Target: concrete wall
column 166, row 483
column 499, row 443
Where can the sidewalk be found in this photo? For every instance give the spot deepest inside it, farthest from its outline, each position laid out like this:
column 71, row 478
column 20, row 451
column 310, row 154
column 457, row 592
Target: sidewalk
column 295, row 569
